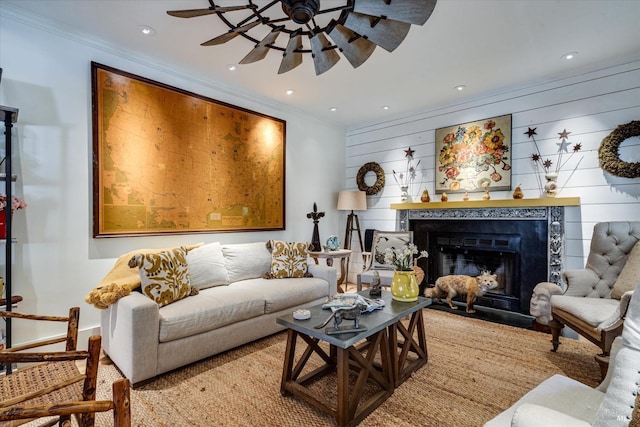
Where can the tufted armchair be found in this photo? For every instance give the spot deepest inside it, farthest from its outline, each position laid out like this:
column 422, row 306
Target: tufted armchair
column 596, row 299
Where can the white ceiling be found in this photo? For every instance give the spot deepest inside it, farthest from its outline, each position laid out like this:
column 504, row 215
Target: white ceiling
column 487, row 45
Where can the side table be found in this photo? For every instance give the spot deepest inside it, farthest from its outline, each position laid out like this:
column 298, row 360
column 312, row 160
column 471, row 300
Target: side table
column 329, row 256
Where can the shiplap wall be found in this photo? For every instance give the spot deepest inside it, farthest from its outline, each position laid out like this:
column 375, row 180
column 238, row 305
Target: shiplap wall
column 589, row 106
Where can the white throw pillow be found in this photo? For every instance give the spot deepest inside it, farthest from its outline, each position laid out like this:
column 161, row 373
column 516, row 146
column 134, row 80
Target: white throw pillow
column 246, row 260
column 206, row 266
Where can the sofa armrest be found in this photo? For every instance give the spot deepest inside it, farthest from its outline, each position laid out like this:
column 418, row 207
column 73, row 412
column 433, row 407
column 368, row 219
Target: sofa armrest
column 530, row 415
column 329, row 274
column 580, row 283
column 130, row 331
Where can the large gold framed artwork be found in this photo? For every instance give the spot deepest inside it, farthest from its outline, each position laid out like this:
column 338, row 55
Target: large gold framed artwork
column 170, row 161
column 474, row 156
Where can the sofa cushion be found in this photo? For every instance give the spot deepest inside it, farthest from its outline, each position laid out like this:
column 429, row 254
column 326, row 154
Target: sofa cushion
column 288, row 259
column 212, row 308
column 246, row 260
column 206, row 266
column 629, row 277
column 280, row 294
column 164, row 276
column 594, row 311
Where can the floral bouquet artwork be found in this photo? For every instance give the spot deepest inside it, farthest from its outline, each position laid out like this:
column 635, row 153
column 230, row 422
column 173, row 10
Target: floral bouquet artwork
column 474, row 157
column 546, row 165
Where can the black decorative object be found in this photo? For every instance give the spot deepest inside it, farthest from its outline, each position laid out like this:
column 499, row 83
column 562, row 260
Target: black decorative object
column 376, row 289
column 315, row 237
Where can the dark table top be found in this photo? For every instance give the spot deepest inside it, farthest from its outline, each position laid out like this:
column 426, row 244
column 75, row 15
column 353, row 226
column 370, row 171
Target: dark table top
column 375, row 321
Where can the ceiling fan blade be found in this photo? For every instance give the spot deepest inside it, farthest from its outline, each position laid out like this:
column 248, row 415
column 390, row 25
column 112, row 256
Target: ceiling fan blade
column 291, row 59
column 413, row 12
column 386, row 33
column 191, row 13
column 230, row 35
column 262, row 48
column 356, row 49
column 323, row 59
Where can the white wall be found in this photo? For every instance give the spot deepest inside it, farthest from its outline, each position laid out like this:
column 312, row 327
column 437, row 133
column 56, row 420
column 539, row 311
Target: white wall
column 57, row 262
column 589, row 106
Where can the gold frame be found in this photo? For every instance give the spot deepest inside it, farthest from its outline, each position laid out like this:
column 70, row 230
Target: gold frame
column 170, row 161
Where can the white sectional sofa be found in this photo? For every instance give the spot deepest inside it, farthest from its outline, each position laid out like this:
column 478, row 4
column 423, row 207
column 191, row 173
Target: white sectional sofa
column 235, row 305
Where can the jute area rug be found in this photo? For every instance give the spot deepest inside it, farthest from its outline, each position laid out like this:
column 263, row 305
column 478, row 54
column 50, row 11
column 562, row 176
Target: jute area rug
column 476, row 369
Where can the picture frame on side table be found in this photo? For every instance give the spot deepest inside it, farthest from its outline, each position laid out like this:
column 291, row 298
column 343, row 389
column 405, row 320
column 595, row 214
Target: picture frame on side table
column 474, row 157
column 387, row 239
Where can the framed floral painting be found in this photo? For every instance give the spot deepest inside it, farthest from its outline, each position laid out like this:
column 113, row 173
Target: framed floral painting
column 474, row 156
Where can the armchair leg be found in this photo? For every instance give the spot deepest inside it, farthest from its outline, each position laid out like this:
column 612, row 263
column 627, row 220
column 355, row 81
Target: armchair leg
column 603, row 361
column 556, row 328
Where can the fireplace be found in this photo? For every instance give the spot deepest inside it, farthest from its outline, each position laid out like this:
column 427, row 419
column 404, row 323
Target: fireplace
column 519, row 241
column 513, row 250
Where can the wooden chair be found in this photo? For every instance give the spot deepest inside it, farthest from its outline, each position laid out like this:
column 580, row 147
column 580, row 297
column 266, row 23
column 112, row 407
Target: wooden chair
column 374, row 260
column 52, row 384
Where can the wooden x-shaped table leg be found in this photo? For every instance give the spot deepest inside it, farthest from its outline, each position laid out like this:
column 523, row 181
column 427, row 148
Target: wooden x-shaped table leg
column 402, row 365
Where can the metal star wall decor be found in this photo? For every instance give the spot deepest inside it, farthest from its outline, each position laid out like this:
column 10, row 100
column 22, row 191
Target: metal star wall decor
column 351, row 27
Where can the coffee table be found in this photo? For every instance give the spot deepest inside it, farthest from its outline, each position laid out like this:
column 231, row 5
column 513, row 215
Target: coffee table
column 401, row 348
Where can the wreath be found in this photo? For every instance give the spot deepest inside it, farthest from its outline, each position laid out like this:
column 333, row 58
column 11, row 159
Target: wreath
column 379, row 184
column 610, row 157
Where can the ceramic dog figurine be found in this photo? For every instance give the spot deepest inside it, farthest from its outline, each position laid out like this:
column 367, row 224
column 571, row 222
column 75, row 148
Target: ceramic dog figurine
column 473, row 287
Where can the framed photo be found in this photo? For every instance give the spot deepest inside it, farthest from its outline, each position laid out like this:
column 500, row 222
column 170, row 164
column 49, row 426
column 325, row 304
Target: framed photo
column 474, row 156
column 387, row 239
column 170, row 161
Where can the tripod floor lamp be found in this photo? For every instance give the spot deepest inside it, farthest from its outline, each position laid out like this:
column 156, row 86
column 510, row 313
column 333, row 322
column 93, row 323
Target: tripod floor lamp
column 352, row 201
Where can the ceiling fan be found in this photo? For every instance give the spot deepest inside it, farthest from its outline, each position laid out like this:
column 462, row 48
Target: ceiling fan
column 352, row 27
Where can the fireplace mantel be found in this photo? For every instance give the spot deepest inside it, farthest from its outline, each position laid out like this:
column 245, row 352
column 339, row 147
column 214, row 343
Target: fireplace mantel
column 504, row 203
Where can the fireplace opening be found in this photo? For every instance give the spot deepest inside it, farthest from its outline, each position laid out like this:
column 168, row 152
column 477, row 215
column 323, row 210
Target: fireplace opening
column 514, row 250
column 472, row 255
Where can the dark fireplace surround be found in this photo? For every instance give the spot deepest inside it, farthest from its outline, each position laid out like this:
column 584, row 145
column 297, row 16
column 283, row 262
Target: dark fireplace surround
column 521, row 245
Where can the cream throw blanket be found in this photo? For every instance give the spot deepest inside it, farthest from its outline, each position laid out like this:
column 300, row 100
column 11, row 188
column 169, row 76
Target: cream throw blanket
column 121, row 280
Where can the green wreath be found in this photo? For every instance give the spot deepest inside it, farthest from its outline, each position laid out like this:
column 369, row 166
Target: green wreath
column 610, row 157
column 379, row 184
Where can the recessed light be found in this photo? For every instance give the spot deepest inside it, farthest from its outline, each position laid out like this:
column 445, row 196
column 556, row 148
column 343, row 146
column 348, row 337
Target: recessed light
column 147, row 30
column 290, row 92
column 459, row 88
column 231, row 67
column 333, row 109
column 569, row 56
column 385, row 107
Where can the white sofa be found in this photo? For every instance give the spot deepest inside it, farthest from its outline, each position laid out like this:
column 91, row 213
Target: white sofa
column 564, row 402
column 235, row 305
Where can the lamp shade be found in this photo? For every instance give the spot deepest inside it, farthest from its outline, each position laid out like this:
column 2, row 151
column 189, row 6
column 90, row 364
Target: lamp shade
column 352, row 201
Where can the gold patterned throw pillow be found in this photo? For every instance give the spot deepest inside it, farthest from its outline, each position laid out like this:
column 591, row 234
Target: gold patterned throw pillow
column 164, row 276
column 288, row 259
